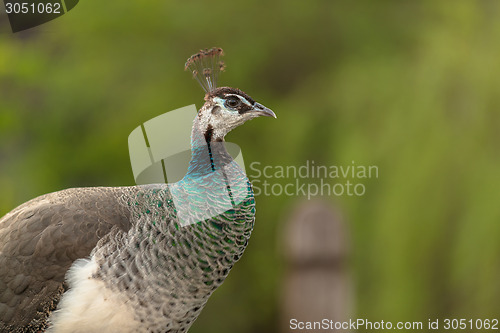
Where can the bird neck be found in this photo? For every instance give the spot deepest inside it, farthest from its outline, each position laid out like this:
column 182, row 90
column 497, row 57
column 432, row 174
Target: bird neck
column 208, row 152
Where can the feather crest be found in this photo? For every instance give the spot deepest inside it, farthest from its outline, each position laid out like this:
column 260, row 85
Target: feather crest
column 206, row 66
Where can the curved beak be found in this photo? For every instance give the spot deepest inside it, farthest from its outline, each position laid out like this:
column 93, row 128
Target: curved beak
column 261, row 110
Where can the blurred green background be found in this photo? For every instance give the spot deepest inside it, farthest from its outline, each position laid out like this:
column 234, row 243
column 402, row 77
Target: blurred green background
column 412, row 87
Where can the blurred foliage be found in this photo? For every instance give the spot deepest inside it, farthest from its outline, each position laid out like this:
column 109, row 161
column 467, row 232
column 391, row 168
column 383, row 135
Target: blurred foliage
column 411, row 87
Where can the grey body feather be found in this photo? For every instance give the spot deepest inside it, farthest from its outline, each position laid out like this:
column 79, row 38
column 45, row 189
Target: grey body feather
column 40, row 240
column 167, row 271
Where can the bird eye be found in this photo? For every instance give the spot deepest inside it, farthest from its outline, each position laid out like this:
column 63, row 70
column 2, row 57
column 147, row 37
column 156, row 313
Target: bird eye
column 232, row 102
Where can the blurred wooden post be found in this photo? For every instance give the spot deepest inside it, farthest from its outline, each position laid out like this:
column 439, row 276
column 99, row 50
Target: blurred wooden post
column 316, row 284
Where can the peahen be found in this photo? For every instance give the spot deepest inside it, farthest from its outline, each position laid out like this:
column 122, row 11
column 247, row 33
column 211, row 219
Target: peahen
column 134, row 259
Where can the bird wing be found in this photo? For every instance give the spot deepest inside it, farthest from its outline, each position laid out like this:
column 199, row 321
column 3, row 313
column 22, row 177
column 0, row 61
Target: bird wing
column 39, row 241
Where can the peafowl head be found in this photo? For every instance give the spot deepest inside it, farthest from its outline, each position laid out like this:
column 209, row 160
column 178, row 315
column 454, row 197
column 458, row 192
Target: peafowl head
column 225, row 108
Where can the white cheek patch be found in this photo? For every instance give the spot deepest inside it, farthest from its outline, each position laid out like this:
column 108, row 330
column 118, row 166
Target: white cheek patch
column 219, row 101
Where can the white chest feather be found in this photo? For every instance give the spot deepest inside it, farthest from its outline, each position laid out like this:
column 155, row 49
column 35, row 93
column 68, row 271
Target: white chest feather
column 88, row 306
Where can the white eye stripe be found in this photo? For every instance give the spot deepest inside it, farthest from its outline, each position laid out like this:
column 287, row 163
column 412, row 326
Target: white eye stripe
column 243, row 99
